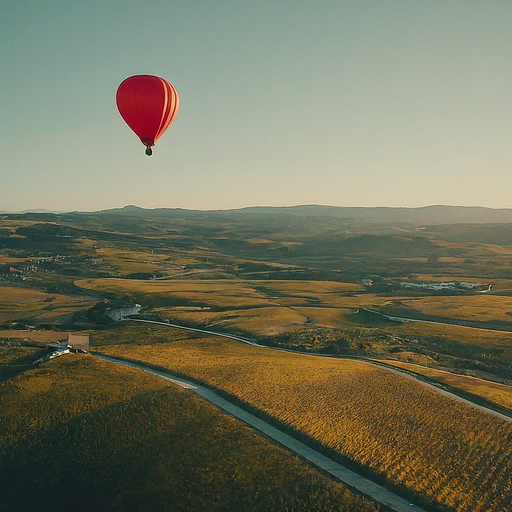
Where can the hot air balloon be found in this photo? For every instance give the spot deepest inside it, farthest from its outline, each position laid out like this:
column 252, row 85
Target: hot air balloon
column 148, row 104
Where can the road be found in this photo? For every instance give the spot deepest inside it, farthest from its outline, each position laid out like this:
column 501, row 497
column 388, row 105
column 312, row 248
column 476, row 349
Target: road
column 404, row 374
column 353, row 480
column 435, row 322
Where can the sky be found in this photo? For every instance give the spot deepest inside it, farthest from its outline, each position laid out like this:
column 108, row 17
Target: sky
column 345, row 103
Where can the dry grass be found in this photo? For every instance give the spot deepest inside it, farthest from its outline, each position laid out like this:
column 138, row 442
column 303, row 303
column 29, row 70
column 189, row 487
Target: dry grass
column 17, row 303
column 82, row 434
column 213, row 293
column 131, row 262
column 307, row 288
column 4, row 260
column 448, row 278
column 418, row 260
column 450, row 259
column 326, row 317
column 499, row 394
column 265, row 320
column 33, row 336
column 17, row 355
column 445, row 451
column 8, row 223
column 233, row 293
column 457, row 333
column 468, row 307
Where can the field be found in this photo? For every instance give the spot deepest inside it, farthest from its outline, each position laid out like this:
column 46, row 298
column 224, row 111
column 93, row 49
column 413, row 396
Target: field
column 131, row 262
column 296, row 278
column 475, row 350
column 457, row 458
column 494, row 392
column 14, row 360
column 482, row 308
column 18, row 303
column 229, row 293
column 82, row 434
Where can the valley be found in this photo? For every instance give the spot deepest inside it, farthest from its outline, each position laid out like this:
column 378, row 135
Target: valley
column 313, row 282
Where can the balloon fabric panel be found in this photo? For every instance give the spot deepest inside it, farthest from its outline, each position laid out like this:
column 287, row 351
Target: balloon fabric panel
column 148, row 104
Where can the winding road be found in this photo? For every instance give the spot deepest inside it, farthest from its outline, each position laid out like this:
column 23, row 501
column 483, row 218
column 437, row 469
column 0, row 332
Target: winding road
column 404, row 374
column 353, row 480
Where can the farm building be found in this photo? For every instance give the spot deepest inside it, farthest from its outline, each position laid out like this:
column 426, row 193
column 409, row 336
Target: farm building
column 78, row 343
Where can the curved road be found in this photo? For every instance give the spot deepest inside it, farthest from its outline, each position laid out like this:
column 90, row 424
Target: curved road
column 374, row 491
column 448, row 394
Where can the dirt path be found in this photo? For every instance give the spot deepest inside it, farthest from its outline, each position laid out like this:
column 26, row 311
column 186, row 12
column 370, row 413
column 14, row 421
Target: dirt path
column 397, row 371
column 366, row 487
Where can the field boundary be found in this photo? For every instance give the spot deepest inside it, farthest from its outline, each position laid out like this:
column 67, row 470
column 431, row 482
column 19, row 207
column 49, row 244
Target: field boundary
column 448, row 391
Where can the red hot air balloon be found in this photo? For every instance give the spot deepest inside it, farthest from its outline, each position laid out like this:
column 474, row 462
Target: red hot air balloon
column 148, row 104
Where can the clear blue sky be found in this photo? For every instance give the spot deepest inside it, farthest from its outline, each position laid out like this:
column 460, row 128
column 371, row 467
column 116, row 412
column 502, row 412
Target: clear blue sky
column 350, row 103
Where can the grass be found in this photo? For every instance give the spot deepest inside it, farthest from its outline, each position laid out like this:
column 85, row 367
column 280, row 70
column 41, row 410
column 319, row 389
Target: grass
column 22, row 303
column 15, row 360
column 209, row 293
column 415, row 439
column 486, row 308
column 265, row 321
column 326, row 317
column 494, row 392
column 32, row 336
column 131, row 262
column 82, row 434
column 459, row 340
column 233, row 294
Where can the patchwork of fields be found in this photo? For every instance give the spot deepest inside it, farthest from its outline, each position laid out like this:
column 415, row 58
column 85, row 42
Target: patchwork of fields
column 308, row 283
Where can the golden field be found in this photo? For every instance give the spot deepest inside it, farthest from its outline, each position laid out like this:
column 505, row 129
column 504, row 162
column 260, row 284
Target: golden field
column 33, row 336
column 469, row 307
column 17, row 303
column 226, row 293
column 443, row 451
column 211, row 293
column 325, row 317
column 459, row 334
column 256, row 307
column 130, row 262
column 82, row 434
column 494, row 392
column 260, row 321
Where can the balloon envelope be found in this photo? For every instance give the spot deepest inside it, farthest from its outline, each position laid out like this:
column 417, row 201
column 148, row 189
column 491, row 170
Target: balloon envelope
column 148, row 104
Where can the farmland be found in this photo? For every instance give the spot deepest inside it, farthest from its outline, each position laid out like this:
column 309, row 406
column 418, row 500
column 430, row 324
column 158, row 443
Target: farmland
column 60, row 439
column 494, row 392
column 19, row 303
column 380, row 422
column 311, row 279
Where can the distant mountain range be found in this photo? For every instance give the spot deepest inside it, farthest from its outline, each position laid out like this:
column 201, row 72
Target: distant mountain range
column 421, row 216
column 35, row 210
column 427, row 215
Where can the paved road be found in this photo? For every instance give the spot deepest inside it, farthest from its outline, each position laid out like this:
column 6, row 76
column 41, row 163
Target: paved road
column 448, row 394
column 374, row 491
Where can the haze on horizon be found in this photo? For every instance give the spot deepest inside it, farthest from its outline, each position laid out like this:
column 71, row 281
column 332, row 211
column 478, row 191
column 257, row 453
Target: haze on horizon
column 363, row 103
